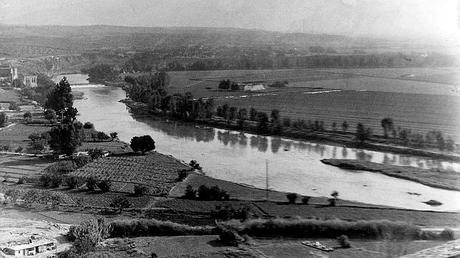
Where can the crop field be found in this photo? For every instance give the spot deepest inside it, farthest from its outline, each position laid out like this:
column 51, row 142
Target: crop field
column 8, row 95
column 13, row 167
column 114, row 147
column 156, row 171
column 17, row 135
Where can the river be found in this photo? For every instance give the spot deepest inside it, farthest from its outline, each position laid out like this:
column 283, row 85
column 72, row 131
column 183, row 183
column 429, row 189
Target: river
column 293, row 166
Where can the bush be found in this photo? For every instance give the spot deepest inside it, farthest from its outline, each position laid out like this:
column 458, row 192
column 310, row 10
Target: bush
column 370, row 229
column 88, row 125
column 333, row 200
column 447, row 234
column 91, row 183
column 102, row 136
column 140, row 190
column 120, row 203
column 228, row 213
column 45, row 180
column 292, row 197
column 88, row 234
column 343, row 241
column 104, row 185
column 181, row 175
column 152, row 227
column 73, row 182
column 21, row 180
column 142, row 143
column 194, row 164
column 190, row 193
column 212, row 194
column 56, row 181
column 96, row 153
column 306, row 199
column 228, row 236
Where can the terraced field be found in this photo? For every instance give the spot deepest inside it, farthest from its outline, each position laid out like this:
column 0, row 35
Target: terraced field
column 154, row 170
column 13, row 167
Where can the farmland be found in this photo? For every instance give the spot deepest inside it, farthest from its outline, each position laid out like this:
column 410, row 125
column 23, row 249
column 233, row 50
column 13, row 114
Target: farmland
column 13, row 167
column 156, row 171
column 17, row 135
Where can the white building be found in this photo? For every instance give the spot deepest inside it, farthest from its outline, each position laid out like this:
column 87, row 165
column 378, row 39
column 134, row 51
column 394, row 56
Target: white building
column 254, row 87
column 30, row 81
column 30, row 248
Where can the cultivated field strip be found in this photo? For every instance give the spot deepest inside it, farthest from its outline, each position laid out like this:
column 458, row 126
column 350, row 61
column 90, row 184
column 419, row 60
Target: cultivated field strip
column 158, row 172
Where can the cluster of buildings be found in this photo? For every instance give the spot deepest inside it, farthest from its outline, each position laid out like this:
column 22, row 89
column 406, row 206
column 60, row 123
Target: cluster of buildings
column 9, row 74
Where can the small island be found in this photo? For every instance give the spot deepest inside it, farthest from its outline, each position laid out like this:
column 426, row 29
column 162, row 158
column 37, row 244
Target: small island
column 438, row 178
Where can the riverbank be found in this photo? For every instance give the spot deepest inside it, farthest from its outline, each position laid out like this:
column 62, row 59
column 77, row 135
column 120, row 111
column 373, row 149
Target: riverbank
column 346, row 139
column 443, row 179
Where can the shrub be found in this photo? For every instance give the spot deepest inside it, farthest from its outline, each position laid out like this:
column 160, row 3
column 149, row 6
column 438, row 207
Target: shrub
column 181, row 175
column 306, row 199
column 343, row 241
column 212, row 194
column 292, row 197
column 56, row 181
column 190, row 193
column 114, row 135
column 3, row 119
column 61, row 167
column 102, row 136
column 21, row 180
column 88, row 125
column 140, row 190
column 194, row 164
column 91, row 183
column 228, row 213
column 45, row 180
column 370, row 229
column 80, row 161
column 104, row 185
column 88, row 234
column 228, row 236
column 18, row 149
column 120, row 203
column 152, row 227
column 73, row 182
column 96, row 153
column 447, row 234
column 27, row 116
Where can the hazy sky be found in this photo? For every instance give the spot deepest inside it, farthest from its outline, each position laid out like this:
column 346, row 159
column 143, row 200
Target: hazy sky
column 350, row 17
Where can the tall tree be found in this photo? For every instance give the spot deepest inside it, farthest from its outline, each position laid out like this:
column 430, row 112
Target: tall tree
column 60, row 98
column 387, row 125
column 64, row 139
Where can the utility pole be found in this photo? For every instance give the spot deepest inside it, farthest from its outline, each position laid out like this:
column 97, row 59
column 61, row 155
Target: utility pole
column 266, row 180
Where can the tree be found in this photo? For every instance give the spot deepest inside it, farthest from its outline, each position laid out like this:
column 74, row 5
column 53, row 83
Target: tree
column 120, row 203
column 232, row 113
column 362, row 134
column 387, row 125
column 3, row 119
column 64, row 139
column 50, row 115
column 27, row 116
column 60, row 98
column 262, row 122
column 142, row 143
column 38, row 142
column 70, row 115
column 224, row 84
column 91, row 183
column 344, row 126
column 275, row 116
column 252, row 114
column 104, row 185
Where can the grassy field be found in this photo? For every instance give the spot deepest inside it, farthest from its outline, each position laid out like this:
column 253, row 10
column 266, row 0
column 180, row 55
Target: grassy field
column 8, row 95
column 17, row 135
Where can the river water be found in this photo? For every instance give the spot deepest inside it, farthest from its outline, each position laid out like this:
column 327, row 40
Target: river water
column 293, row 166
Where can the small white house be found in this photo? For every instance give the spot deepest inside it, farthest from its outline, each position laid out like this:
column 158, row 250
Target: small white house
column 254, row 87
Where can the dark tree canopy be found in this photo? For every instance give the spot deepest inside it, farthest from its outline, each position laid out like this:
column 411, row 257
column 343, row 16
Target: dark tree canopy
column 64, row 139
column 60, row 98
column 3, row 119
column 142, row 143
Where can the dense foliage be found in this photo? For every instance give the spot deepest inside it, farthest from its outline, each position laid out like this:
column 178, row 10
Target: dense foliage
column 142, row 144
